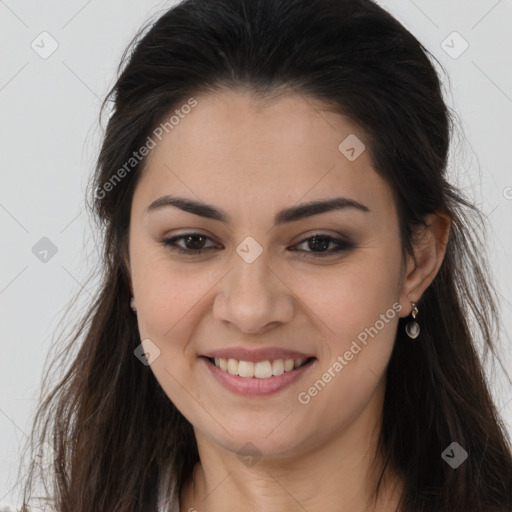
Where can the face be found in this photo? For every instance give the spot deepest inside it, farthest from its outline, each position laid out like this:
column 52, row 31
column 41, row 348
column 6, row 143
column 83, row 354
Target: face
column 258, row 288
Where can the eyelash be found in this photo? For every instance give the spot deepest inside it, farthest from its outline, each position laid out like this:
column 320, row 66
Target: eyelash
column 341, row 245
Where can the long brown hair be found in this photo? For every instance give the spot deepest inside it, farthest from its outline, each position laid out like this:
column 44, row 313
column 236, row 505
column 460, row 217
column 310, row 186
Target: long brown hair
column 117, row 439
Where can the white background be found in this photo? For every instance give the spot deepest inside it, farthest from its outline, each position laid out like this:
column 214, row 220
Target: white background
column 50, row 136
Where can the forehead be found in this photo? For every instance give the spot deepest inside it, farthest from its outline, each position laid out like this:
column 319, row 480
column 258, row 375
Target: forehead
column 235, row 147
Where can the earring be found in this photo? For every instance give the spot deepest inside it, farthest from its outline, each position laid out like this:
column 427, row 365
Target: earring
column 412, row 328
column 132, row 304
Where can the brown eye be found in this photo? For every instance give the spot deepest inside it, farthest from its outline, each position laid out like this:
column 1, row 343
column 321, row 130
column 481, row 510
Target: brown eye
column 194, row 243
column 318, row 245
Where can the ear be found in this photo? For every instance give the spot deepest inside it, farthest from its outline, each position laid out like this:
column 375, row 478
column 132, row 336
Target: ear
column 429, row 250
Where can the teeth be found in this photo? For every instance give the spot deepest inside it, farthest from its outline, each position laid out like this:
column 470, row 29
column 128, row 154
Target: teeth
column 261, row 369
column 277, row 367
column 299, row 362
column 233, row 366
column 289, row 364
column 246, row 369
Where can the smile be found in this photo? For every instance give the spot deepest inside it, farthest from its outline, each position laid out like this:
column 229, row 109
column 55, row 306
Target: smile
column 261, row 369
column 256, row 378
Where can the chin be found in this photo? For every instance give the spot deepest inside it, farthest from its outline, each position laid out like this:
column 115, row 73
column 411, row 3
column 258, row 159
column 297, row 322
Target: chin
column 266, row 440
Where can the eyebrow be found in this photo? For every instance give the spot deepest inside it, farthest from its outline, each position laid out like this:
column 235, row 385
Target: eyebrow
column 286, row 215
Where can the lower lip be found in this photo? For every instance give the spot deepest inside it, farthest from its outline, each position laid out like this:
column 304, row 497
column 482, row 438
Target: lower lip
column 252, row 386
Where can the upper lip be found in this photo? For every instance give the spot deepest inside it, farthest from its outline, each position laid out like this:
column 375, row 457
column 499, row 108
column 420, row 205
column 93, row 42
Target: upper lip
column 255, row 355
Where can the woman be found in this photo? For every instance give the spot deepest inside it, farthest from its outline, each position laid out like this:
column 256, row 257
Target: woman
column 289, row 281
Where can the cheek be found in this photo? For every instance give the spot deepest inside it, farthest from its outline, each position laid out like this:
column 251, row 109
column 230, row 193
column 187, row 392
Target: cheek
column 355, row 307
column 169, row 300
column 165, row 292
column 351, row 296
column 356, row 347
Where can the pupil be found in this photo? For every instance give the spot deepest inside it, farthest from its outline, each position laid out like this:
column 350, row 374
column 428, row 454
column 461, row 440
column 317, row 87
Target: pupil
column 324, row 243
column 196, row 238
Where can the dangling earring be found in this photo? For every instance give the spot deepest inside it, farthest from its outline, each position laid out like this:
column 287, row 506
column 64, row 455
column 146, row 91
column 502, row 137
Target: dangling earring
column 412, row 328
column 132, row 304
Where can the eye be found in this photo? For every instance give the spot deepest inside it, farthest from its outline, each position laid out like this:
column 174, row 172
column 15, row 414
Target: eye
column 319, row 243
column 194, row 243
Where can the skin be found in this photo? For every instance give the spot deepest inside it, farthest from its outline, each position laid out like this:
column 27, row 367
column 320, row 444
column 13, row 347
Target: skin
column 252, row 159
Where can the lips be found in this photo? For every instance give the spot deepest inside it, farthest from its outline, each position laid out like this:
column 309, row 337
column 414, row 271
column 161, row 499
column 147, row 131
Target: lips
column 257, row 364
column 261, row 363
column 254, row 379
column 256, row 355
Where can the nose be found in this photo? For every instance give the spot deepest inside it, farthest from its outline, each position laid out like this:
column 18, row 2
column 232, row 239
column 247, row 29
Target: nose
column 253, row 297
